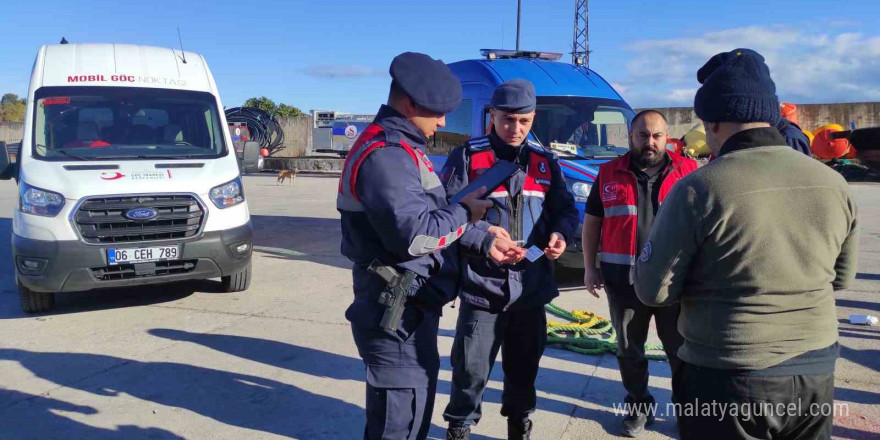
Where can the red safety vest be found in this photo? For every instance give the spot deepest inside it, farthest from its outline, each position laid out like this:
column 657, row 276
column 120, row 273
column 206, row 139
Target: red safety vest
column 534, row 190
column 538, row 178
column 347, row 198
column 617, row 187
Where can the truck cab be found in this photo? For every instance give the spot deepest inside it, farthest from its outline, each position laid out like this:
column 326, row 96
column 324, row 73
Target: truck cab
column 126, row 175
column 579, row 116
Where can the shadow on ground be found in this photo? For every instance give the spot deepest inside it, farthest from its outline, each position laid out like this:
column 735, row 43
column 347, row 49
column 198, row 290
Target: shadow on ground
column 329, row 365
column 300, row 239
column 234, row 399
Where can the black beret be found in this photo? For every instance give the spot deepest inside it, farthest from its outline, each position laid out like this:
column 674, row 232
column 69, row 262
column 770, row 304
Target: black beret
column 428, row 82
column 514, row 96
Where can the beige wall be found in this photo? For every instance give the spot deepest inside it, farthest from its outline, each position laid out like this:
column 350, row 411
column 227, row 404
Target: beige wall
column 10, row 132
column 297, row 134
column 810, row 116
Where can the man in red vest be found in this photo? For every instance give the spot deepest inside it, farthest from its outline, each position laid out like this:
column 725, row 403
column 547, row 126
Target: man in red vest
column 619, row 214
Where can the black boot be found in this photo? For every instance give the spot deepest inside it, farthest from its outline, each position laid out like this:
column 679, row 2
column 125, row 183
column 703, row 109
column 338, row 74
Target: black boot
column 458, row 433
column 634, row 424
column 519, row 429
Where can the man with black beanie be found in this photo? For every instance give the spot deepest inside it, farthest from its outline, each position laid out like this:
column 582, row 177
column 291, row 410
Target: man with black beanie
column 753, row 246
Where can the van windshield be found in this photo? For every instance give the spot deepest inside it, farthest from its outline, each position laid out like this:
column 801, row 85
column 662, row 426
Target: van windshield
column 579, row 126
column 119, row 123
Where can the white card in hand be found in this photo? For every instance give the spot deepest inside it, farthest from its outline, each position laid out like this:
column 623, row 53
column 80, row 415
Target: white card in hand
column 534, row 253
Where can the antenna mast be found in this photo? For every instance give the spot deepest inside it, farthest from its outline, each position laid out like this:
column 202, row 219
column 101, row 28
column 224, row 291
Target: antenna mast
column 518, row 17
column 182, row 53
column 580, row 45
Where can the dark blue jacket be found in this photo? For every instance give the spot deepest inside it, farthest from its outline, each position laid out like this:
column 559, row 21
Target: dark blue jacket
column 528, row 217
column 794, row 136
column 393, row 208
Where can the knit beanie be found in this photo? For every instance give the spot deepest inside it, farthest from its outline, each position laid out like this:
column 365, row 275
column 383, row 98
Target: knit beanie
column 736, row 88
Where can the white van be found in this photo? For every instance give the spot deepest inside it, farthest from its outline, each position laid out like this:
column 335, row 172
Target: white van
column 126, row 175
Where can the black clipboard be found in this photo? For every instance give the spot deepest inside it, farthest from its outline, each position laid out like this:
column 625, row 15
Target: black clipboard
column 491, row 179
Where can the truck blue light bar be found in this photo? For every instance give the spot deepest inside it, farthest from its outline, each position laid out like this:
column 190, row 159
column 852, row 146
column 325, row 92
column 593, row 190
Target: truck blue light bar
column 494, row 54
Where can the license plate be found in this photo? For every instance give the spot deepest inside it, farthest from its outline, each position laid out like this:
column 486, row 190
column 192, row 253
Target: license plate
column 142, row 255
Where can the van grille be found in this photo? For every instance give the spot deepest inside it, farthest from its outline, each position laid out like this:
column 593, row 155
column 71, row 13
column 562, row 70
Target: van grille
column 101, row 220
column 142, row 270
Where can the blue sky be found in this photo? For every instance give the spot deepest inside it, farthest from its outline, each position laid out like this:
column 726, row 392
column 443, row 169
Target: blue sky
column 335, row 54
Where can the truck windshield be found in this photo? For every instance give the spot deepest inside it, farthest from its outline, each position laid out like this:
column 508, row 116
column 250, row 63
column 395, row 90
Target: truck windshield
column 579, row 126
column 118, row 123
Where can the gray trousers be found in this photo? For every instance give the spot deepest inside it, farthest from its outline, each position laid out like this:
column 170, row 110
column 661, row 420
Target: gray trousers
column 630, row 319
column 521, row 335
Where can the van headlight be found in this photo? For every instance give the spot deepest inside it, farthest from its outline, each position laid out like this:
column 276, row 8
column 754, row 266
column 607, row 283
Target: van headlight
column 229, row 194
column 580, row 191
column 36, row 201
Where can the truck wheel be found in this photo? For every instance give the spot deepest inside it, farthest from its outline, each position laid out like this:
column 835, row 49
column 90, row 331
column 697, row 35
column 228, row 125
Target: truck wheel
column 35, row 302
column 237, row 282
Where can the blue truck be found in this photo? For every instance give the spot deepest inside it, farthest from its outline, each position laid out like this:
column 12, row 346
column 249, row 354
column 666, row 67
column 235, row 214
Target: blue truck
column 579, row 116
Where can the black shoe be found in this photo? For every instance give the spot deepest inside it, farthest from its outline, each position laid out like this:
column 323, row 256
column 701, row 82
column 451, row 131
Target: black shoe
column 634, row 424
column 458, row 433
column 519, row 430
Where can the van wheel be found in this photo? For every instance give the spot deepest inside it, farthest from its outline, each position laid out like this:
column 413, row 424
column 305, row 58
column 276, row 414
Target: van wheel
column 237, row 282
column 35, row 302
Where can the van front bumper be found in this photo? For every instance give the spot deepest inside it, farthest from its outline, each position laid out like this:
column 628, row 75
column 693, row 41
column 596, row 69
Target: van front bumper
column 573, row 257
column 73, row 266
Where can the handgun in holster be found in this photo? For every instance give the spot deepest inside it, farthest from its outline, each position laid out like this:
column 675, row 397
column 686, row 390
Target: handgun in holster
column 395, row 294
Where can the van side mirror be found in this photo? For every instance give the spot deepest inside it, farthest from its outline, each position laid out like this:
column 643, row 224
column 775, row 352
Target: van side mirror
column 251, row 161
column 7, row 169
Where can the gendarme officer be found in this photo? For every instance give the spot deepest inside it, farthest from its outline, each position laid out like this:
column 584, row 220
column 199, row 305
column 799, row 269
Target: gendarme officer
column 395, row 214
column 503, row 304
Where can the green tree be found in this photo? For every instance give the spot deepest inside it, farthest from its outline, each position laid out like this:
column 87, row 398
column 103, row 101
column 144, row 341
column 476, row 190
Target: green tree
column 12, row 108
column 262, row 103
column 285, row 110
column 268, row 105
column 9, row 99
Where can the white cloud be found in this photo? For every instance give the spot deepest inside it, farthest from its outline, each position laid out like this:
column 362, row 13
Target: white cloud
column 844, row 23
column 622, row 89
column 682, row 96
column 807, row 67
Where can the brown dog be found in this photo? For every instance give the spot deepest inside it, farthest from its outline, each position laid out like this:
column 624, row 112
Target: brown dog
column 286, row 174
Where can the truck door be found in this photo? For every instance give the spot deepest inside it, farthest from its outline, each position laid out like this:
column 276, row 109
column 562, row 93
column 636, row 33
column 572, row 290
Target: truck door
column 250, row 161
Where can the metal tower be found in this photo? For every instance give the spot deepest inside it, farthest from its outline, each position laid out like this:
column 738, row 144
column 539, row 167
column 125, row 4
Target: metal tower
column 580, row 44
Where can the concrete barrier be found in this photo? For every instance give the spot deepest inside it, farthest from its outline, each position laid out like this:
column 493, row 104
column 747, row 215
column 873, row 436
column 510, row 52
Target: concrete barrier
column 10, row 132
column 306, row 165
column 810, row 116
column 297, row 136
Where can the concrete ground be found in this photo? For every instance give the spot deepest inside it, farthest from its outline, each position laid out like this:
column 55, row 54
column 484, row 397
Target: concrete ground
column 278, row 361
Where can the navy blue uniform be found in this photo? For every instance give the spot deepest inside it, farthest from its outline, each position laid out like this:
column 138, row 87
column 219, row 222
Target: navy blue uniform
column 503, row 306
column 394, row 209
column 794, row 136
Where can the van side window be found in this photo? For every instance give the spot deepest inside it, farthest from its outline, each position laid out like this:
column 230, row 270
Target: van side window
column 487, row 121
column 456, row 132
